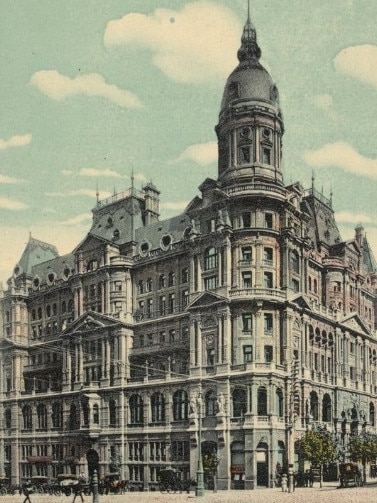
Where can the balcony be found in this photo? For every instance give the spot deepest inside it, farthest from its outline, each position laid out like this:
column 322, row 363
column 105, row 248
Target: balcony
column 257, row 293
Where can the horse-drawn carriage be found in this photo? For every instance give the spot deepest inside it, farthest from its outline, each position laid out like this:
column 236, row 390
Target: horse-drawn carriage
column 350, row 474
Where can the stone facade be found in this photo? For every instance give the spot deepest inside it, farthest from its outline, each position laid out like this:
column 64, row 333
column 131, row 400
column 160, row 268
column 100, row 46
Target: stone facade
column 237, row 323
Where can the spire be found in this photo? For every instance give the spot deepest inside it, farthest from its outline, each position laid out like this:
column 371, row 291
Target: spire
column 249, row 47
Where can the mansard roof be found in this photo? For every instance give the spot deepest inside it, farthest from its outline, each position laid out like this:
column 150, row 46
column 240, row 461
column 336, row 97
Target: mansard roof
column 153, row 233
column 35, row 252
column 60, row 267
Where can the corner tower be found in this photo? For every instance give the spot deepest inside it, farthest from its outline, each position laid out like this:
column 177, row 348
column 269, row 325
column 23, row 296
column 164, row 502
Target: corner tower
column 250, row 124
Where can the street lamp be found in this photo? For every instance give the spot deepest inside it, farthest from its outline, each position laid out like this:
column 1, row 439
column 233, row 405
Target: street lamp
column 200, row 471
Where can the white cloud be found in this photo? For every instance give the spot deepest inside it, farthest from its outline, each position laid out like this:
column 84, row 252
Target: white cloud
column 99, row 173
column 201, row 153
column 344, row 156
column 323, row 101
column 80, row 192
column 59, row 87
column 67, row 172
column 9, row 204
column 16, row 141
column 79, row 219
column 197, row 44
column 140, row 177
column 359, row 62
column 346, row 217
column 5, row 179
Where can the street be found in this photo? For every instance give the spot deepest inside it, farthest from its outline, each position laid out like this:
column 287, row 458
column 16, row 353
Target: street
column 328, row 494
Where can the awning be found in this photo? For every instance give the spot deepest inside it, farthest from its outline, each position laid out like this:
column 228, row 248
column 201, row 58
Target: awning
column 39, row 459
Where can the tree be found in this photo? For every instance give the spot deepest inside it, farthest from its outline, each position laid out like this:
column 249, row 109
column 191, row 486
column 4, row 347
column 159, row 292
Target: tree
column 319, row 447
column 210, row 463
column 363, row 448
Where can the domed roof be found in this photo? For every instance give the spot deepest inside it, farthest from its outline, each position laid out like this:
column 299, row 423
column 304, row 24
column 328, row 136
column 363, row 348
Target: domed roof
column 249, row 81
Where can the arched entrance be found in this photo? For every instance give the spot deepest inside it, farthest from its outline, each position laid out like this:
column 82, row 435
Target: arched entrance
column 262, row 464
column 209, row 457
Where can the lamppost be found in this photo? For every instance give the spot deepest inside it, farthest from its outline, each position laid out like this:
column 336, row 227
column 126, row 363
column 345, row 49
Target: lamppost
column 294, row 407
column 200, row 471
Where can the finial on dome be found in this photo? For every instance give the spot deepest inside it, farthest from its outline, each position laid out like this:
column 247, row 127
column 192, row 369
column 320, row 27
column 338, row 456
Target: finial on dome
column 249, row 48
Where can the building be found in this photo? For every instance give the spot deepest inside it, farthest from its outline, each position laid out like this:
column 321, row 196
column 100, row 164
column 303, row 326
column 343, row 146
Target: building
column 236, row 324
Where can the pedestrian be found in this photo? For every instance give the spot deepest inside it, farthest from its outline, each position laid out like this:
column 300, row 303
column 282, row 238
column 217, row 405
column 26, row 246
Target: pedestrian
column 27, row 490
column 77, row 491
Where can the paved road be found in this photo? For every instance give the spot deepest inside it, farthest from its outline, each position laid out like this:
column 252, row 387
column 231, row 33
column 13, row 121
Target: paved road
column 328, row 494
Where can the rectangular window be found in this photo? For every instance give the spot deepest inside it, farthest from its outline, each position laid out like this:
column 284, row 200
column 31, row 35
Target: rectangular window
column 268, row 354
column 150, row 307
column 295, row 285
column 246, row 253
column 246, row 322
column 246, row 220
column 171, row 302
column 172, row 335
column 185, row 298
column 267, row 277
column 268, row 323
column 266, row 156
column 162, row 337
column 352, row 348
column 246, row 280
column 162, row 306
column 352, row 373
column 268, row 255
column 210, row 283
column 245, row 154
column 268, row 220
column 247, row 354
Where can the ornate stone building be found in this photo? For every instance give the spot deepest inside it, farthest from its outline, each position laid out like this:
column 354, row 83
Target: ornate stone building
column 151, row 327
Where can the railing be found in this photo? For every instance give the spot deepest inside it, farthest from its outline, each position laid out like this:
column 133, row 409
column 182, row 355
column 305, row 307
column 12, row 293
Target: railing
column 255, row 187
column 257, row 292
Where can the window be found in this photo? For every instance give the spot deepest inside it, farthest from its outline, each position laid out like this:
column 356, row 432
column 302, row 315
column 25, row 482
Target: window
column 210, row 259
column 247, row 354
column 27, row 417
column 95, row 414
column 180, row 450
column 136, row 409
column 246, row 220
column 268, row 255
column 185, row 275
column 162, row 305
column 352, row 373
column 171, row 303
column 295, row 285
column 267, row 277
column 246, row 322
column 161, row 281
column 352, row 347
column 162, row 337
column 239, row 402
column 211, row 403
column 314, row 409
column 262, row 402
column 268, row 220
column 42, row 416
column 210, row 283
column 172, row 335
column 8, row 418
column 150, row 308
column 279, row 403
column 171, row 279
column 246, row 279
column 158, row 408
column 112, row 413
column 246, row 253
column 185, row 298
column 372, row 418
column 180, row 405
column 245, row 155
column 268, row 354
column 149, row 285
column 326, row 409
column 268, row 323
column 295, row 262
column 266, row 156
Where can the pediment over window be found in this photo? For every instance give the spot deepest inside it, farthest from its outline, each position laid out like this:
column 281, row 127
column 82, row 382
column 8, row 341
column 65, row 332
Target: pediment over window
column 207, row 299
column 89, row 322
column 354, row 322
column 302, row 302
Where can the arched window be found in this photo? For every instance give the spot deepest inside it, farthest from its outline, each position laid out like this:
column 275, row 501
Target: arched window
column 210, row 259
column 184, row 275
column 112, row 413
column 42, row 416
column 8, row 418
column 239, row 402
column 149, row 285
column 57, row 415
column 27, row 416
column 180, row 405
column 211, row 403
column 161, row 281
column 326, row 408
column 279, row 403
column 39, row 313
column 136, row 409
column 171, row 279
column 140, row 287
column 372, row 418
column 158, row 408
column 314, row 406
column 95, row 414
column 262, row 401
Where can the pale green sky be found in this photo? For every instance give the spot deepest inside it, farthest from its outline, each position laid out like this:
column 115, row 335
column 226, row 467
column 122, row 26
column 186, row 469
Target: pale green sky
column 90, row 89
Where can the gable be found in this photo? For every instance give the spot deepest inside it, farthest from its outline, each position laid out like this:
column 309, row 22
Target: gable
column 207, row 299
column 301, row 302
column 354, row 322
column 89, row 322
column 90, row 243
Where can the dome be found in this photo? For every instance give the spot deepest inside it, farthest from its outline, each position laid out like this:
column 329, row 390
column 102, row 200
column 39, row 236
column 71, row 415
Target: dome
column 249, row 81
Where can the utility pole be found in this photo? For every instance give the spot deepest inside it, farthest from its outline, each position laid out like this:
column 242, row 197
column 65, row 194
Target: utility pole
column 200, row 471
